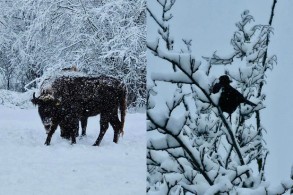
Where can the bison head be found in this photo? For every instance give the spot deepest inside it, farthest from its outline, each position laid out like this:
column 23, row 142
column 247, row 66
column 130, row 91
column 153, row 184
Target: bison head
column 48, row 108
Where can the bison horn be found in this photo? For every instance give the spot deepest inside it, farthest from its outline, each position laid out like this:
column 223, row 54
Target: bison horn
column 35, row 100
column 58, row 102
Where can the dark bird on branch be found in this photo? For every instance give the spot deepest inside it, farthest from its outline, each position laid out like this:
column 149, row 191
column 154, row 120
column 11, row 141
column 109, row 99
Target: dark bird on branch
column 230, row 98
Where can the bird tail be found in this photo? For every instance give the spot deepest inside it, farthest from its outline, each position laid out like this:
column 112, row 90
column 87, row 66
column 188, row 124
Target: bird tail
column 250, row 103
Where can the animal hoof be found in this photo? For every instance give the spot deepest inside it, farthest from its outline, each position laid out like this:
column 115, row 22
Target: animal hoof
column 95, row 144
column 47, row 144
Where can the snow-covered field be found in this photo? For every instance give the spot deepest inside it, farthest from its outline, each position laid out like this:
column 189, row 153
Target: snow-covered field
column 28, row 167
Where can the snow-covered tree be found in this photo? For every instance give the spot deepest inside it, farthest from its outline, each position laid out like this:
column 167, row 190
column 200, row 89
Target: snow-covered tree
column 99, row 37
column 192, row 147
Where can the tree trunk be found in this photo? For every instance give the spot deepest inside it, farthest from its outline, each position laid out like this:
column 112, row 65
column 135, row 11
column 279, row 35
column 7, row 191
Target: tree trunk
column 260, row 161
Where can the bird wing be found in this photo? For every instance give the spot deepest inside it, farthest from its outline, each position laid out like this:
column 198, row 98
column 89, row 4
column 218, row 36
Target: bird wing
column 240, row 97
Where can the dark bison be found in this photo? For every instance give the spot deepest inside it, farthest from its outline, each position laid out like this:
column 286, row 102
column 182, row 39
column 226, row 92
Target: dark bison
column 66, row 100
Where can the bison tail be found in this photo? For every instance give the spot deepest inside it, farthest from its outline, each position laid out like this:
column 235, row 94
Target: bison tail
column 123, row 107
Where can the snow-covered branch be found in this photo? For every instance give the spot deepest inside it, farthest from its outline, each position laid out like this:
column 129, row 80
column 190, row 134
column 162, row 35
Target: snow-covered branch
column 193, row 148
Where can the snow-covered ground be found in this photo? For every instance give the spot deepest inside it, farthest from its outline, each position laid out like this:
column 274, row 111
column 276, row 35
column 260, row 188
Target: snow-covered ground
column 28, row 167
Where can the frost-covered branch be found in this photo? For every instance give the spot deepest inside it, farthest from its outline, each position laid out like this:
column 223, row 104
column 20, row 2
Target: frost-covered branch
column 185, row 67
column 196, row 149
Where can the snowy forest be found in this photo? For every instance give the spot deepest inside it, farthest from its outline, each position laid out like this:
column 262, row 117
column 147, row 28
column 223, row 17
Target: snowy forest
column 99, row 37
column 196, row 146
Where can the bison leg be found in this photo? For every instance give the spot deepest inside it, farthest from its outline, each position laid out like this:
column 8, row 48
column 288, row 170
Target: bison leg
column 70, row 125
column 73, row 138
column 74, row 124
column 104, row 124
column 65, row 133
column 116, row 124
column 50, row 134
column 83, row 121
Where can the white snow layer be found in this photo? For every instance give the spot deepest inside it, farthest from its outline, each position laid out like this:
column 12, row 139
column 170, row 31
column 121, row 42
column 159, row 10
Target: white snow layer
column 28, row 167
column 15, row 99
